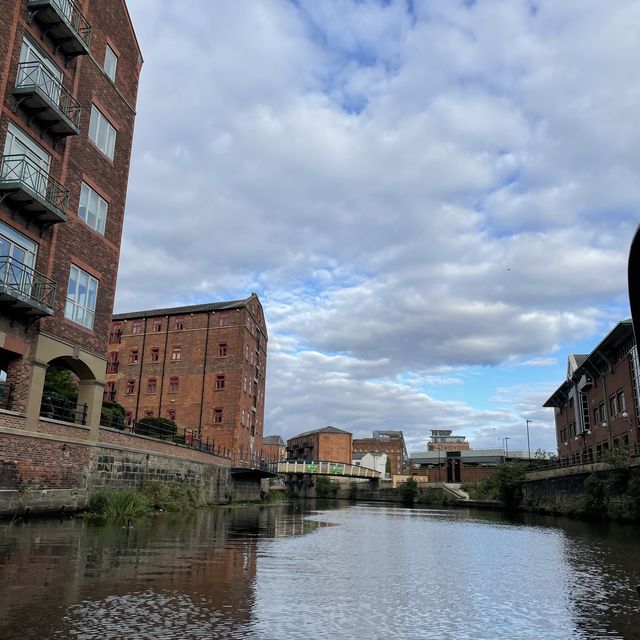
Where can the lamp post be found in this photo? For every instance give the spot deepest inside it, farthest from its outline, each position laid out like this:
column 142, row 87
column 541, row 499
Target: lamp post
column 528, row 443
column 506, row 447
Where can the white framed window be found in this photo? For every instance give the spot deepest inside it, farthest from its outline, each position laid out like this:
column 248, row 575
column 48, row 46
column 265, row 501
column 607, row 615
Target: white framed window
column 93, row 209
column 102, row 132
column 110, row 63
column 37, row 68
column 82, row 294
column 25, row 160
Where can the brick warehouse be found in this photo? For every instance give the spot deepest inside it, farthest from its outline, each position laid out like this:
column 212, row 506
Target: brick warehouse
column 202, row 366
column 389, row 442
column 597, row 407
column 69, row 78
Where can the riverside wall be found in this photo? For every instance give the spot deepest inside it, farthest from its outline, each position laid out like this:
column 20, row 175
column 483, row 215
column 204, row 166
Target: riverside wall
column 59, row 466
column 612, row 492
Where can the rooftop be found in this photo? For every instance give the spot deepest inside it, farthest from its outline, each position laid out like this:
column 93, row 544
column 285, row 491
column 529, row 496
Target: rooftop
column 328, row 429
column 194, row 308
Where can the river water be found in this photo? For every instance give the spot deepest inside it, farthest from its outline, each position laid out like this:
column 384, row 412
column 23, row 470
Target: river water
column 320, row 570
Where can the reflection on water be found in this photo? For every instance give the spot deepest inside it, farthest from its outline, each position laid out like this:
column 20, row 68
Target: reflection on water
column 365, row 571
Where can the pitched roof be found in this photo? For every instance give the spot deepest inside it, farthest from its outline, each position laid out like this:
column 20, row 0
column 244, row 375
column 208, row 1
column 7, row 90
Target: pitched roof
column 194, row 308
column 322, row 430
column 273, row 440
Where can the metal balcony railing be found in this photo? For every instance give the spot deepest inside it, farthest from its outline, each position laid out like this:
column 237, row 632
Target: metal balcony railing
column 22, row 172
column 35, row 77
column 26, row 285
column 68, row 15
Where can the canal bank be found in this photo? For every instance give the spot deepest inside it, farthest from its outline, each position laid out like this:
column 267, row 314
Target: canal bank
column 58, row 467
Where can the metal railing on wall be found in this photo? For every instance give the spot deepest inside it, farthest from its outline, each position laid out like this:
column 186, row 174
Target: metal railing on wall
column 59, row 408
column 185, row 437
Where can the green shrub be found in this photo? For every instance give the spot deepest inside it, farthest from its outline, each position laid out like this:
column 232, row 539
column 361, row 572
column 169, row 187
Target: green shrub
column 113, row 415
column 408, row 491
column 157, row 428
column 172, row 497
column 326, row 488
column 125, row 504
column 434, row 497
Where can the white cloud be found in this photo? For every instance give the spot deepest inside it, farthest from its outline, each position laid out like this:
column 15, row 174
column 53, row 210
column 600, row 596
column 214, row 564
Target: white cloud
column 406, row 192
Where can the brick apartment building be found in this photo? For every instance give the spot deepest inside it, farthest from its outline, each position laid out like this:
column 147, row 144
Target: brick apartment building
column 202, row 366
column 596, row 408
column 68, row 82
column 328, row 443
column 389, row 442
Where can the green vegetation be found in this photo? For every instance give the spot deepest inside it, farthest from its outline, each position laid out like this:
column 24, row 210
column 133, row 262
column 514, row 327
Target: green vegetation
column 128, row 504
column 326, row 488
column 408, row 491
column 113, row 415
column 505, row 486
column 613, row 495
column 158, row 428
column 173, row 497
column 434, row 498
column 60, row 383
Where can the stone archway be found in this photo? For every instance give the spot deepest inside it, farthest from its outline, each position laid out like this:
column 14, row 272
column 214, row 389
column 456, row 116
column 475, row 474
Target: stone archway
column 87, row 367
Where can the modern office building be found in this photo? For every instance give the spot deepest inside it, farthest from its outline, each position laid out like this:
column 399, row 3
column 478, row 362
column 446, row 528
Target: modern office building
column 68, row 81
column 597, row 407
column 202, row 366
column 389, row 442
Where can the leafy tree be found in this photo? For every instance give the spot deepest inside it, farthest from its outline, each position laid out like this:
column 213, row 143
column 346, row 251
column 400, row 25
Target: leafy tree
column 408, row 491
column 508, row 479
column 60, row 383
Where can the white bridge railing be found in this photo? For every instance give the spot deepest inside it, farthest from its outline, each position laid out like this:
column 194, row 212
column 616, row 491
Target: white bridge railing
column 323, row 468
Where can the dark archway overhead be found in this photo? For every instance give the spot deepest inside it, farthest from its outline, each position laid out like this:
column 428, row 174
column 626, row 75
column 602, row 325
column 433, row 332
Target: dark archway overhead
column 634, row 283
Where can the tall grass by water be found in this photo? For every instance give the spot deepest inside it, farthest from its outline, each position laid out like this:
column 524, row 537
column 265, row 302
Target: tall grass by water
column 128, row 504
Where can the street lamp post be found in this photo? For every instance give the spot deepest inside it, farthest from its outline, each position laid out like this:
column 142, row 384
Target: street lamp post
column 528, row 443
column 506, row 446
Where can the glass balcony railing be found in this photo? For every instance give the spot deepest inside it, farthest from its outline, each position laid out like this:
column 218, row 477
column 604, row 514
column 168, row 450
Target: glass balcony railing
column 25, row 289
column 38, row 90
column 64, row 22
column 31, row 186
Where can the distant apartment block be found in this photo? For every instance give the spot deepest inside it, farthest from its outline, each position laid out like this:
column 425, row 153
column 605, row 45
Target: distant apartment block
column 68, row 84
column 597, row 407
column 444, row 440
column 389, row 442
column 202, row 366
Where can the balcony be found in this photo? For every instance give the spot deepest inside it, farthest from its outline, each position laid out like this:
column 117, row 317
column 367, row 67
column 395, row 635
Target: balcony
column 64, row 23
column 33, row 189
column 46, row 100
column 24, row 289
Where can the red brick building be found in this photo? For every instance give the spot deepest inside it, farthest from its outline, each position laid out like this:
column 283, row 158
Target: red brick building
column 68, row 84
column 329, row 443
column 389, row 442
column 596, row 408
column 274, row 449
column 202, row 366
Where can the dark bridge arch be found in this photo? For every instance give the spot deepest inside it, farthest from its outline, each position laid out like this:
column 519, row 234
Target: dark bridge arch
column 634, row 283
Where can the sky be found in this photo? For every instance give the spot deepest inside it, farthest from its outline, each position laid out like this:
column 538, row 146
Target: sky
column 434, row 200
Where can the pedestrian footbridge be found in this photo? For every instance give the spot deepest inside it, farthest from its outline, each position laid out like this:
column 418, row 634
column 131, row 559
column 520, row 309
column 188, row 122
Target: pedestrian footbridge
column 323, row 468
